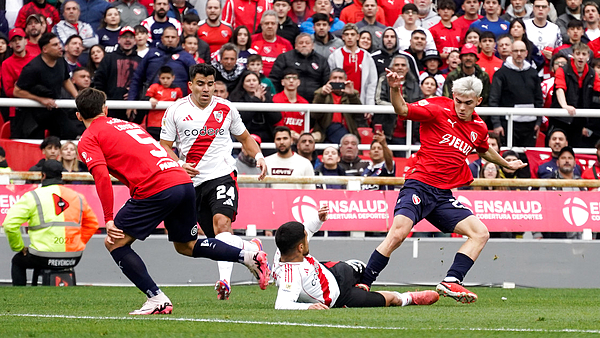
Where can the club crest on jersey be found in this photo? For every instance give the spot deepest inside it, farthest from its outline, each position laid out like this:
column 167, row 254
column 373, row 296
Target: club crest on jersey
column 137, row 11
column 218, row 116
column 267, row 50
column 503, row 26
column 416, row 199
column 315, row 65
column 175, row 57
column 473, row 136
column 224, row 33
column 423, row 103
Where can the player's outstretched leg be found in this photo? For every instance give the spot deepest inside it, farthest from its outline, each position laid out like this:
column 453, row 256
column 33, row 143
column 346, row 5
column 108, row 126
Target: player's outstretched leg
column 394, row 298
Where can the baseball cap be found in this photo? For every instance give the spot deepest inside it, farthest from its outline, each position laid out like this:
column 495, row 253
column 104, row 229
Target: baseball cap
column 566, row 149
column 468, row 48
column 35, row 16
column 53, row 170
column 432, row 54
column 127, row 29
column 16, row 32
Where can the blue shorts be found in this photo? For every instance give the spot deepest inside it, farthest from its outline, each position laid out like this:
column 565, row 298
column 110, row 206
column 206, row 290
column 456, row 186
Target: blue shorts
column 175, row 206
column 418, row 200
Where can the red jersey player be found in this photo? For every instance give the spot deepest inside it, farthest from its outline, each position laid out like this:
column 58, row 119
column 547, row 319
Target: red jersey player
column 450, row 130
column 160, row 191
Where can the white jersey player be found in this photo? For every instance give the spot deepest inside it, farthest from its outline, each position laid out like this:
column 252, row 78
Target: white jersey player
column 202, row 125
column 304, row 283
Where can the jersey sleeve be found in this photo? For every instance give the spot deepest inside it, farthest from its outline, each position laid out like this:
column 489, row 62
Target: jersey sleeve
column 168, row 130
column 483, row 146
column 151, row 91
column 422, row 111
column 290, row 286
column 90, row 152
column 237, row 127
column 312, row 226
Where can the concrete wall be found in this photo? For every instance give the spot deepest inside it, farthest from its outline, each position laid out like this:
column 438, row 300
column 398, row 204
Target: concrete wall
column 528, row 263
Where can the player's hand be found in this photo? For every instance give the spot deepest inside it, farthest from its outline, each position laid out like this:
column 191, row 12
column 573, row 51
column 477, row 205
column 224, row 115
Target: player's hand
column 190, row 169
column 394, row 80
column 326, row 89
column 514, row 165
column 262, row 165
column 113, row 232
column 318, row 306
column 570, row 110
column 48, row 103
column 153, row 102
column 499, row 131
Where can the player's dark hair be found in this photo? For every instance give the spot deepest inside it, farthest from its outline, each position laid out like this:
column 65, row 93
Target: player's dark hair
column 254, row 58
column 288, row 236
column 280, row 129
column 487, row 35
column 190, row 17
column 45, row 39
column 74, row 36
column 50, row 141
column 140, row 29
column 446, row 4
column 165, row 70
column 321, row 17
column 90, row 102
column 202, row 69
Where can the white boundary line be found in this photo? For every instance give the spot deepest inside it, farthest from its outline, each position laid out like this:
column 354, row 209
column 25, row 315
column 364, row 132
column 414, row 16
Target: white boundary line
column 360, row 327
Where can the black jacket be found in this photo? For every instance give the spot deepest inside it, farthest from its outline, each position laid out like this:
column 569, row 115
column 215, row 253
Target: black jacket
column 313, row 71
column 115, row 72
column 259, row 123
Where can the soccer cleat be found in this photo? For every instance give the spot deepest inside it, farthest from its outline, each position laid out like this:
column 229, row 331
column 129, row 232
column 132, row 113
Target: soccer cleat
column 256, row 262
column 456, row 291
column 154, row 307
column 363, row 286
column 223, row 290
column 427, row 297
column 258, row 243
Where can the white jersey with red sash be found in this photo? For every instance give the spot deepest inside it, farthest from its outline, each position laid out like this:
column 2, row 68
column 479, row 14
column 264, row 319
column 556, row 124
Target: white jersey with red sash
column 203, row 136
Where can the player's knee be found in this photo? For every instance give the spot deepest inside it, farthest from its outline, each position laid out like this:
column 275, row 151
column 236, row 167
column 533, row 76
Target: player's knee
column 221, row 223
column 399, row 233
column 481, row 234
column 184, row 248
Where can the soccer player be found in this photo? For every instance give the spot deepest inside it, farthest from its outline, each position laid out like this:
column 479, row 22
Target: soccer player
column 160, row 191
column 295, row 272
column 202, row 125
column 450, row 130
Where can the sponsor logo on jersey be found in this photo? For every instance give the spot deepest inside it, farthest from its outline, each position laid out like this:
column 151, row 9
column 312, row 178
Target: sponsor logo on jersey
column 167, row 163
column 457, row 143
column 204, row 131
column 218, row 116
column 443, row 37
column 105, row 38
column 188, row 118
column 85, row 157
column 282, row 171
column 416, row 199
column 194, row 231
column 241, row 8
column 452, row 122
column 473, row 136
column 204, row 33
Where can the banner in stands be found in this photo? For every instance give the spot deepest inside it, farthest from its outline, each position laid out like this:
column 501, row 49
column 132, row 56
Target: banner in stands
column 501, row 211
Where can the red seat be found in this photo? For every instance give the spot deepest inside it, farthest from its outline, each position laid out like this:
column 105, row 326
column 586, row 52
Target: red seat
column 366, row 137
column 540, row 142
column 5, row 130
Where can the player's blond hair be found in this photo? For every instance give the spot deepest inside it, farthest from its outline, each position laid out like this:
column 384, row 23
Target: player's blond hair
column 467, row 86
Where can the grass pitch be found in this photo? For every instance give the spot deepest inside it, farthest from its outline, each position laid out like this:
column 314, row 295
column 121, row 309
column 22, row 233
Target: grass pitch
column 102, row 311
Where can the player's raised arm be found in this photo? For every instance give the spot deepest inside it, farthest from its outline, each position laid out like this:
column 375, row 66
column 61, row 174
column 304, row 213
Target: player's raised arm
column 492, row 156
column 395, row 83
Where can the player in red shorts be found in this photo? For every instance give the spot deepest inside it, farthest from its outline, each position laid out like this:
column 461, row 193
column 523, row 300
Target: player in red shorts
column 160, row 191
column 450, row 130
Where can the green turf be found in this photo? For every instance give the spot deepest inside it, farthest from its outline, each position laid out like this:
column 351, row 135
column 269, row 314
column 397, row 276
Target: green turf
column 546, row 312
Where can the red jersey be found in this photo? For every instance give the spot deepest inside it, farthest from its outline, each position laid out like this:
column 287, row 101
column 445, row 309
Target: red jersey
column 291, row 119
column 33, row 48
column 595, row 47
column 446, row 39
column 132, row 156
column 489, row 64
column 49, row 12
column 269, row 50
column 353, row 13
column 160, row 93
column 592, row 173
column 245, row 12
column 215, row 36
column 446, row 141
column 391, row 10
column 11, row 69
column 462, row 25
column 353, row 66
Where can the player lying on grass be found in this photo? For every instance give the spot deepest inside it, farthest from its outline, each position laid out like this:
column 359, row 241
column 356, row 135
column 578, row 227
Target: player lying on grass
column 306, row 284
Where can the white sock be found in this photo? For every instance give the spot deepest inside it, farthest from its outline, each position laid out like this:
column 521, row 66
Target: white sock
column 404, row 297
column 226, row 268
column 451, row 280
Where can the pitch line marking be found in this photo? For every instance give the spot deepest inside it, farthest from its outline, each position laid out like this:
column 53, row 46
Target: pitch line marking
column 334, row 326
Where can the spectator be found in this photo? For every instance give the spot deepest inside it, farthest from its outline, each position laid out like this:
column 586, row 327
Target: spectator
column 259, row 123
column 476, row 166
column 557, row 140
column 162, row 91
column 511, row 156
column 71, row 127
column 370, row 24
column 141, row 40
column 68, row 158
column 427, row 15
column 245, row 13
column 488, row 62
column 556, row 62
column 357, row 63
column 574, row 11
column 268, row 44
column 417, row 47
column 246, row 165
column 472, row 36
column 446, row 35
column 382, row 163
column 504, row 47
column 517, row 31
column 300, row 11
column 312, row 68
column 34, row 29
column 158, row 21
column 575, row 34
column 48, row 224
column 544, row 34
column 353, row 13
column 92, row 11
column 179, row 8
column 389, row 47
column 453, row 62
column 12, row 67
column 350, row 162
column 323, row 7
column 331, row 127
column 330, row 167
column 592, row 173
column 221, row 90
column 110, row 27
column 293, row 120
column 592, row 20
column 255, row 64
column 287, row 163
column 190, row 27
column 228, row 69
column 168, row 53
column 242, row 40
column 72, row 25
column 95, row 58
column 365, row 41
column 491, row 22
column 468, row 67
column 4, row 50
column 572, row 90
column 73, row 50
column 50, row 148
column 517, row 85
column 116, row 70
column 306, row 148
column 81, row 79
column 41, row 80
column 338, row 6
column 591, row 131
column 518, row 9
column 286, row 27
column 405, row 33
column 213, row 30
column 132, row 12
column 325, row 42
column 462, row 24
column 429, row 85
column 190, row 45
column 433, row 62
column 38, row 7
